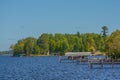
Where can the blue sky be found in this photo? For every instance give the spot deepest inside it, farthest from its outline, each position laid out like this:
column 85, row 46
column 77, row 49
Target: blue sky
column 23, row 18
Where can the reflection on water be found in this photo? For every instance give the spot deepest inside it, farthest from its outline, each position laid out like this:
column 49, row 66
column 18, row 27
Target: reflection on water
column 49, row 68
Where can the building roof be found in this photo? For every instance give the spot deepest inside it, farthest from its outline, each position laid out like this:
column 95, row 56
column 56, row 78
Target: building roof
column 78, row 54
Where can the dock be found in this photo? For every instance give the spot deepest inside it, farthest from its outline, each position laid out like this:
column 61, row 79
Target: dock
column 102, row 62
column 83, row 57
column 65, row 59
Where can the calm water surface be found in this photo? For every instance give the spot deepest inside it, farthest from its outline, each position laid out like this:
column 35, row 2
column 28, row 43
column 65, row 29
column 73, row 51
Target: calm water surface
column 49, row 68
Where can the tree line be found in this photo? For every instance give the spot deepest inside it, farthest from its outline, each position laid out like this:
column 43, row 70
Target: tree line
column 49, row 44
column 6, row 52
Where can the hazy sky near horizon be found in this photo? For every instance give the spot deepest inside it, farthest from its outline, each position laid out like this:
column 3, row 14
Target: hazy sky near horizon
column 24, row 18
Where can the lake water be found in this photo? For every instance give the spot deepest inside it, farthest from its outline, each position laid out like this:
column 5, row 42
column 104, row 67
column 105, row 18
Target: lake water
column 49, row 68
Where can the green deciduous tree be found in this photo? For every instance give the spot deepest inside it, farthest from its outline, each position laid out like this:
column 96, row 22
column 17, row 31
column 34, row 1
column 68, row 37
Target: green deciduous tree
column 29, row 45
column 113, row 45
column 24, row 46
column 43, row 43
column 18, row 48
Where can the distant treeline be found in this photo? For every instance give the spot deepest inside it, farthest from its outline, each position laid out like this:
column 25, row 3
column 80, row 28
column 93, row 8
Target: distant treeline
column 61, row 43
column 6, row 52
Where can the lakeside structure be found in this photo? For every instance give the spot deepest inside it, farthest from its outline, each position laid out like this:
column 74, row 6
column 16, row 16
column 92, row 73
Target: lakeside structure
column 84, row 57
column 102, row 62
column 79, row 56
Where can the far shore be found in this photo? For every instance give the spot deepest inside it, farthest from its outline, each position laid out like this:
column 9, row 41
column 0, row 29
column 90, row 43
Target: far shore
column 38, row 55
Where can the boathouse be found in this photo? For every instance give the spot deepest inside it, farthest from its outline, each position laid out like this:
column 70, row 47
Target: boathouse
column 78, row 54
column 81, row 56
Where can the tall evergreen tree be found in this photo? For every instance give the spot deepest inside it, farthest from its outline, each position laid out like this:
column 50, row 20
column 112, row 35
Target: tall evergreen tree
column 104, row 31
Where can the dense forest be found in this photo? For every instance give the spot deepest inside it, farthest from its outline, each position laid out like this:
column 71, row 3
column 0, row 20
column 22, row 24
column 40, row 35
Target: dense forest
column 51, row 44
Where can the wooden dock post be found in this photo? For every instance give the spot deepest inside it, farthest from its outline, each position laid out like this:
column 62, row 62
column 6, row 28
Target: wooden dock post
column 101, row 62
column 91, row 65
column 112, row 64
column 60, row 59
column 101, row 65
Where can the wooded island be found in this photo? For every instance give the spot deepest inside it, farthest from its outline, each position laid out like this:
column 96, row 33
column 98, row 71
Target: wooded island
column 58, row 44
